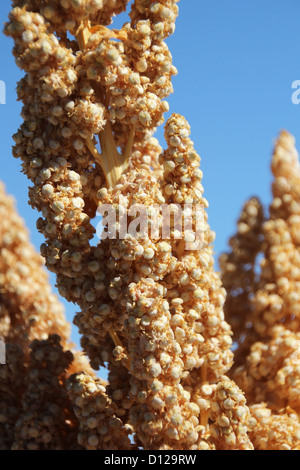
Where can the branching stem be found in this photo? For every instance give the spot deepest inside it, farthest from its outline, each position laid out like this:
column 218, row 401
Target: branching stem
column 112, row 163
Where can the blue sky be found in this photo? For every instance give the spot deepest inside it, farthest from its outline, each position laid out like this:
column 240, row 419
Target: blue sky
column 237, row 61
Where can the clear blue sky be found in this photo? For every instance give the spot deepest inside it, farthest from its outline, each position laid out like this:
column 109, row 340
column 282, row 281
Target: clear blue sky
column 236, row 61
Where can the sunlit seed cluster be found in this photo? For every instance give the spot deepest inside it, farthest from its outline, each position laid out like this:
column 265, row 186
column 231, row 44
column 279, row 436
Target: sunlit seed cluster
column 152, row 309
column 238, row 272
column 36, row 412
column 28, row 308
column 99, row 425
column 264, row 306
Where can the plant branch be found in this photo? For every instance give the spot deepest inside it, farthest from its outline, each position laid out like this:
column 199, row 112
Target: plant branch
column 111, row 161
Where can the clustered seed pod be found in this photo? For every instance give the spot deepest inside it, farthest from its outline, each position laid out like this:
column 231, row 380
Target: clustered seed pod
column 238, row 272
column 99, row 426
column 266, row 307
column 152, row 306
column 36, row 412
column 28, row 308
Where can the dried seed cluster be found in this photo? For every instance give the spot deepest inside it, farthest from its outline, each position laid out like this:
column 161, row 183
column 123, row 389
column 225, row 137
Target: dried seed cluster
column 238, row 270
column 28, row 308
column 265, row 306
column 36, row 412
column 152, row 308
column 99, row 425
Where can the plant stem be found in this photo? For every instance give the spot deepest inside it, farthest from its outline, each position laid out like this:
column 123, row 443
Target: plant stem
column 112, row 163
